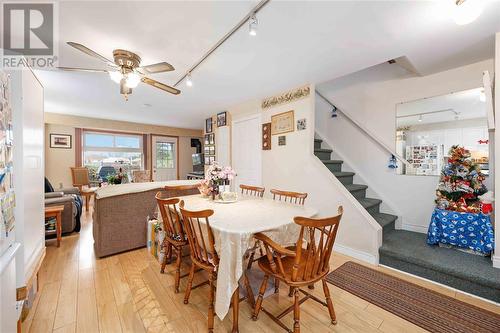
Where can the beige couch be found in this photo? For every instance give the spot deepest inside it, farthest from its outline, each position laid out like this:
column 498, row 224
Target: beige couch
column 121, row 212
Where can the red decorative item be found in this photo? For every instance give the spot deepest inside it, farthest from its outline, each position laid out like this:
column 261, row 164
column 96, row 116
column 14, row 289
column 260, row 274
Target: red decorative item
column 486, row 208
column 483, row 142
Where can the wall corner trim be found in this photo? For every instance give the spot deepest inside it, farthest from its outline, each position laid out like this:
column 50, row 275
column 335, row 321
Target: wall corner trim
column 360, row 255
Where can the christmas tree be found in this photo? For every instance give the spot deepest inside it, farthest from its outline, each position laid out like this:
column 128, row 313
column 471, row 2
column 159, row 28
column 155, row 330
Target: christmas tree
column 461, row 183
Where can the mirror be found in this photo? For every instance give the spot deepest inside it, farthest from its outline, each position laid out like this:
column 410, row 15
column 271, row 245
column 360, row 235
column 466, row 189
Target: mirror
column 427, row 128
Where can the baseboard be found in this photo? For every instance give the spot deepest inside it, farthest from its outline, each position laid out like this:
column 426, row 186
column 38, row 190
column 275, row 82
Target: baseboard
column 360, row 255
column 496, row 261
column 415, row 228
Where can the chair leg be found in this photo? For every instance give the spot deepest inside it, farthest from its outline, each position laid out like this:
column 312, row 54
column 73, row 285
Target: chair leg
column 178, row 269
column 296, row 311
column 163, row 263
column 250, row 297
column 258, row 303
column 189, row 285
column 276, row 285
column 290, row 292
column 331, row 310
column 211, row 310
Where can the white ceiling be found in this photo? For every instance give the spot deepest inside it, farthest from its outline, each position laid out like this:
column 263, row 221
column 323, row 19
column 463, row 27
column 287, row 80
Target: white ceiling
column 464, row 104
column 298, row 42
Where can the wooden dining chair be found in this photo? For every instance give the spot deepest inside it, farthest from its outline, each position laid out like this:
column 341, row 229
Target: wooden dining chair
column 81, row 179
column 203, row 254
column 252, row 190
column 181, row 190
column 175, row 238
column 308, row 263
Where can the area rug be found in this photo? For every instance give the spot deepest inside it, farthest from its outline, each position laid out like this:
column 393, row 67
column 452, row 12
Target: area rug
column 428, row 309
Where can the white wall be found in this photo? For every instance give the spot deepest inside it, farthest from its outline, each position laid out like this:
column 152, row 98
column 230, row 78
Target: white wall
column 294, row 167
column 370, row 97
column 28, row 129
column 496, row 256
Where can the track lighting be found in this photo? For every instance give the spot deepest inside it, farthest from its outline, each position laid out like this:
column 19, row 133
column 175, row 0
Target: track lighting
column 420, row 119
column 467, row 11
column 252, row 26
column 189, row 82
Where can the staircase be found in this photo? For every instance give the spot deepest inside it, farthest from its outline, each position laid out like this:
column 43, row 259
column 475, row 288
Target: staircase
column 408, row 251
column 372, row 205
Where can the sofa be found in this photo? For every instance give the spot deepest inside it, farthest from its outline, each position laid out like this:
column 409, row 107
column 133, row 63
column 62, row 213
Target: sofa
column 121, row 213
column 71, row 200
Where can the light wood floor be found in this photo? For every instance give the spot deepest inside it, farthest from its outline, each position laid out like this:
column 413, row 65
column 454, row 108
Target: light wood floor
column 126, row 293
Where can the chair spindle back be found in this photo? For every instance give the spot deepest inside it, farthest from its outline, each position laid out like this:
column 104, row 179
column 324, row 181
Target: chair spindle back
column 171, row 219
column 288, row 196
column 252, row 190
column 200, row 236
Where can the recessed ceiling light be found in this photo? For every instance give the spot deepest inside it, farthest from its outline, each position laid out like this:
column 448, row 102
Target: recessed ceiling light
column 467, row 11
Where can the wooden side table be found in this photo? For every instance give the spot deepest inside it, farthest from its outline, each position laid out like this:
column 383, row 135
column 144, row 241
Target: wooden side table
column 88, row 193
column 55, row 211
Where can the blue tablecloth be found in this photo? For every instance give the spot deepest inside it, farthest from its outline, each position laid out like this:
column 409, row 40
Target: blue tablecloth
column 465, row 230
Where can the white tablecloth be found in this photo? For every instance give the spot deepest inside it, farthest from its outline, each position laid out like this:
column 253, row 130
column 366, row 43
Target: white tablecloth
column 234, row 224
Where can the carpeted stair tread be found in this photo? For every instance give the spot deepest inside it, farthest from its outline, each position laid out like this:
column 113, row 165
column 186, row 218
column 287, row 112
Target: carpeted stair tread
column 369, row 202
column 343, row 174
column 411, row 247
column 355, row 187
column 323, row 150
column 384, row 219
column 332, row 161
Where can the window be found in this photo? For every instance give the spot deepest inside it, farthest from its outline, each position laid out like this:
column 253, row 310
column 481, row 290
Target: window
column 165, row 155
column 105, row 153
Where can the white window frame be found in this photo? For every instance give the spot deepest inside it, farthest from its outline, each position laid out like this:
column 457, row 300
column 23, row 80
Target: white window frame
column 113, row 149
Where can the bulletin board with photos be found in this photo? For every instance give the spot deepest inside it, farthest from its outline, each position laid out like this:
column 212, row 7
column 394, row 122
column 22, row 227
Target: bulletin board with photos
column 7, row 197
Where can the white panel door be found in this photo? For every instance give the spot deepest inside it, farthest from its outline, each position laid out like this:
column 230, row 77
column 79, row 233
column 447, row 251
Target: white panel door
column 164, row 158
column 246, row 150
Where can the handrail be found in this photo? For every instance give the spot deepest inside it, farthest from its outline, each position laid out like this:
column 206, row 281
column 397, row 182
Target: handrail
column 366, row 131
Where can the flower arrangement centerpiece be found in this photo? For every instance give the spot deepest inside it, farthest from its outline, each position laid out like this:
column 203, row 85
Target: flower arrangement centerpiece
column 217, row 180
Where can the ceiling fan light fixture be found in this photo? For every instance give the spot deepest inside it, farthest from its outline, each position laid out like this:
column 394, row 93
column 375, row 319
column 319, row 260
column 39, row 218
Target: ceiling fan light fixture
column 252, row 25
column 116, row 76
column 467, row 11
column 132, row 80
column 189, row 81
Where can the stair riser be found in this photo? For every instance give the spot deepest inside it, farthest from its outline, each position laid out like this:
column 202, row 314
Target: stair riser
column 317, row 144
column 373, row 209
column 388, row 227
column 322, row 155
column 359, row 194
column 346, row 180
column 334, row 167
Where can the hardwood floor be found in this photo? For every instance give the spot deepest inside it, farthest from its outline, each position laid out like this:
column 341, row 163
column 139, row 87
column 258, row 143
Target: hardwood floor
column 126, row 293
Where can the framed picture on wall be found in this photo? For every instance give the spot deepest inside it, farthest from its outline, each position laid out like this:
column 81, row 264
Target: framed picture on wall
column 60, row 141
column 221, row 119
column 208, row 125
column 282, row 123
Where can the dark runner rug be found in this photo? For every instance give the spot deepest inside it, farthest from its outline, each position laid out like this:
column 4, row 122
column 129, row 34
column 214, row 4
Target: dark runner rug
column 428, row 309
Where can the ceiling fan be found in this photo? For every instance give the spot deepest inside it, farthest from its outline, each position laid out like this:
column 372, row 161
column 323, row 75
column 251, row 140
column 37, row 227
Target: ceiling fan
column 126, row 70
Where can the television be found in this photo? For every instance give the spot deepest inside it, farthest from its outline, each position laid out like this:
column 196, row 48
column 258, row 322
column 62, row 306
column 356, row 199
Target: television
column 198, row 162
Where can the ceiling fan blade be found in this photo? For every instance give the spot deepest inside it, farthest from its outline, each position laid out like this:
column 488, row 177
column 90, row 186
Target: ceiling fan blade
column 156, row 68
column 89, row 70
column 91, row 53
column 160, row 85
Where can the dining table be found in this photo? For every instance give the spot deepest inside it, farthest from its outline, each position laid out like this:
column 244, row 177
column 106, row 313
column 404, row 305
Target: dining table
column 234, row 224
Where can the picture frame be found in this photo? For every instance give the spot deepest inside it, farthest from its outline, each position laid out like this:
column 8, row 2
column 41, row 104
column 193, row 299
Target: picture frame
column 266, row 136
column 282, row 140
column 60, row 141
column 301, row 124
column 208, row 125
column 282, row 123
column 221, row 119
column 211, row 139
